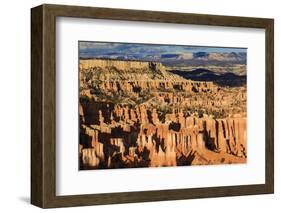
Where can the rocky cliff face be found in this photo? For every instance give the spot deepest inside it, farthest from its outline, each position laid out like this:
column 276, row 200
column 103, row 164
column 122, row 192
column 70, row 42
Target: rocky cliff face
column 116, row 70
column 136, row 114
column 121, row 65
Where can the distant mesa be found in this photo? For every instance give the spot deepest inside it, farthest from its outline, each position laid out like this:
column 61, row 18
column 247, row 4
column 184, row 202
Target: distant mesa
column 170, row 55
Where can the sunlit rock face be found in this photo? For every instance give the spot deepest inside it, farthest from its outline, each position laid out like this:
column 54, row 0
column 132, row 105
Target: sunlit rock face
column 138, row 114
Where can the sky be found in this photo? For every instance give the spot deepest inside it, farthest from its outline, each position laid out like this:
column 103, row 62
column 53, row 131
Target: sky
column 89, row 49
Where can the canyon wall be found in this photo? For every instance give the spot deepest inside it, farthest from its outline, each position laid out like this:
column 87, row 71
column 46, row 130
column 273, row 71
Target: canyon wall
column 137, row 114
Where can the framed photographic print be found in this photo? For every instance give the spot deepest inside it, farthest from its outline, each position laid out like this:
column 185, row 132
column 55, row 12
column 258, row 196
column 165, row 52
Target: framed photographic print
column 137, row 106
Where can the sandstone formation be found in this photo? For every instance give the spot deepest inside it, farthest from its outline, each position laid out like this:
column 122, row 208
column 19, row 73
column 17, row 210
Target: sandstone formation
column 137, row 114
column 122, row 65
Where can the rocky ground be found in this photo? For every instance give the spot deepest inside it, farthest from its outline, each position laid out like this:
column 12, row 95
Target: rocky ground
column 138, row 114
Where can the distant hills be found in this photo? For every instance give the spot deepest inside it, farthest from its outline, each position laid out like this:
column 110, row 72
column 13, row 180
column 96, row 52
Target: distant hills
column 221, row 79
column 237, row 57
column 168, row 58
